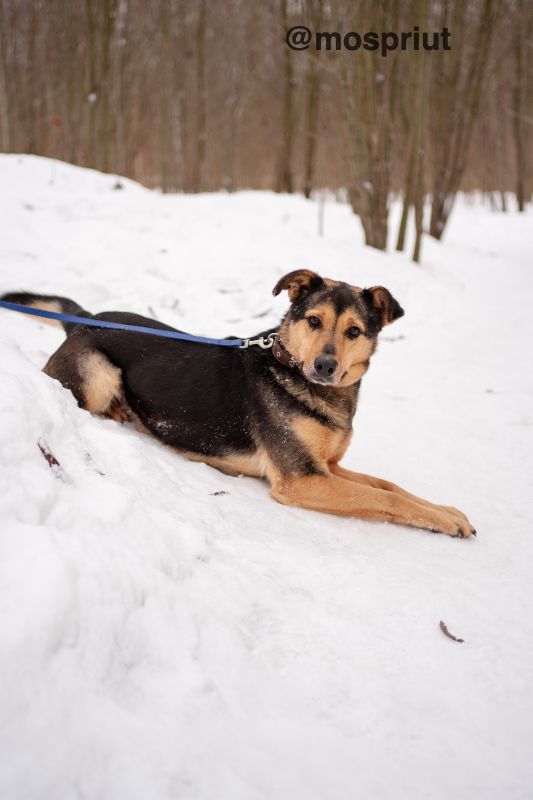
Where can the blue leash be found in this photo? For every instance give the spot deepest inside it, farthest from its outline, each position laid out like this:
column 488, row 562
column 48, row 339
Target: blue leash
column 265, row 342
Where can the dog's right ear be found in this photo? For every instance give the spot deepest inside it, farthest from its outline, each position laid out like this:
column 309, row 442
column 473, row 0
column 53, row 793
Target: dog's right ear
column 298, row 283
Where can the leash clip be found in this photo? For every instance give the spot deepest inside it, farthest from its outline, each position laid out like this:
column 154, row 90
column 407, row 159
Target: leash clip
column 265, row 342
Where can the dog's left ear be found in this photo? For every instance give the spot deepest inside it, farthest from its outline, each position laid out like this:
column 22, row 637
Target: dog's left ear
column 382, row 300
column 298, row 283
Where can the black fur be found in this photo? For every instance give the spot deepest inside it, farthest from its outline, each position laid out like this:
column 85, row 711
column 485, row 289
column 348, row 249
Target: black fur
column 215, row 401
column 66, row 305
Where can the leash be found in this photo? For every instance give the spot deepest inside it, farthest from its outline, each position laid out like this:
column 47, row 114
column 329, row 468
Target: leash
column 265, row 342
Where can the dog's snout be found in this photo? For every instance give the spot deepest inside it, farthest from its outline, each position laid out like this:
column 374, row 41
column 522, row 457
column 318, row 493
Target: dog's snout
column 325, row 366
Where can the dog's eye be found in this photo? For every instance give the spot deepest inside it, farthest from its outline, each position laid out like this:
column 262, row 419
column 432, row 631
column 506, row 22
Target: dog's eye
column 314, row 322
column 353, row 332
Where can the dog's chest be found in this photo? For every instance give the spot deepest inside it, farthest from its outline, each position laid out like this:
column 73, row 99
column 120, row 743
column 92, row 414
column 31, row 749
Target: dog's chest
column 326, row 445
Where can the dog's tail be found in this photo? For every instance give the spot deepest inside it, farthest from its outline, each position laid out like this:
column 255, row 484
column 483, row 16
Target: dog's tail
column 48, row 302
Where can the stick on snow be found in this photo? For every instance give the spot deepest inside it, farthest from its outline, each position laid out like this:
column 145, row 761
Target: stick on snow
column 53, row 463
column 447, row 633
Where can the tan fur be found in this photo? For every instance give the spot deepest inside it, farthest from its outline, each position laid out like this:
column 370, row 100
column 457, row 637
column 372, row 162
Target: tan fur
column 255, row 465
column 332, row 494
column 325, row 444
column 379, row 483
column 121, row 412
column 47, row 306
column 331, row 283
column 305, row 344
column 102, row 383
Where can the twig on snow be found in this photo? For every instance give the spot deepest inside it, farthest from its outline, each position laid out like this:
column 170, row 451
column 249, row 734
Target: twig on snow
column 53, row 463
column 447, row 633
column 90, row 461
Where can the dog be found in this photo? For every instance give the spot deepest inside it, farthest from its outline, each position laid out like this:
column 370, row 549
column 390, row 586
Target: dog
column 284, row 414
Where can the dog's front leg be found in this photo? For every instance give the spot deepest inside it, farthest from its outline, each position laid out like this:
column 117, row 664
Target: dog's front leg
column 379, row 483
column 332, row 494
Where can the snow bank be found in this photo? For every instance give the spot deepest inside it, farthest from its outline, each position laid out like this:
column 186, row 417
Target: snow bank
column 171, row 632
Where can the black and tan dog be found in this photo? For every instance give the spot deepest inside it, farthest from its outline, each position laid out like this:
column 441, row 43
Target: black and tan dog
column 284, row 414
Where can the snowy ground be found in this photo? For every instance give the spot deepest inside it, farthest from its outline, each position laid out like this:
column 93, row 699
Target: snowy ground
column 158, row 640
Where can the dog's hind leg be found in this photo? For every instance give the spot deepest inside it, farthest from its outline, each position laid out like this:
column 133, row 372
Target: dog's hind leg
column 94, row 381
column 378, row 483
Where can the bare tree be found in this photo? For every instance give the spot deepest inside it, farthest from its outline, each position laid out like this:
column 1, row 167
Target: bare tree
column 523, row 28
column 198, row 175
column 368, row 87
column 312, row 81
column 415, row 186
column 460, row 98
column 285, row 181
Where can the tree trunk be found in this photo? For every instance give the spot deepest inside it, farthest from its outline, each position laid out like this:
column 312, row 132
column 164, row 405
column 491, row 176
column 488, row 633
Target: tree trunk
column 165, row 127
column 285, row 180
column 421, row 133
column 5, row 137
column 105, row 134
column 464, row 113
column 118, row 85
column 368, row 103
column 410, row 176
column 519, row 107
column 311, row 110
column 198, row 175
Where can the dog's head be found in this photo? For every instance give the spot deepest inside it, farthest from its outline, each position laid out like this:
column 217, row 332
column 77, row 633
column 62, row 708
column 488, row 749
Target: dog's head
column 331, row 328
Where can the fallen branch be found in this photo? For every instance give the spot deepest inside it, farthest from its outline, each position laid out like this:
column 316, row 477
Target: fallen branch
column 53, row 463
column 447, row 633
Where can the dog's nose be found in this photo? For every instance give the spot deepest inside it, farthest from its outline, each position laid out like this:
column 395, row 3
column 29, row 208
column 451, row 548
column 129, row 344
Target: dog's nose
column 325, row 366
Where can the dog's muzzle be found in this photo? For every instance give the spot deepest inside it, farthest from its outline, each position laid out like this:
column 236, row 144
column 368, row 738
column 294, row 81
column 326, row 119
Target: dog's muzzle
column 325, row 368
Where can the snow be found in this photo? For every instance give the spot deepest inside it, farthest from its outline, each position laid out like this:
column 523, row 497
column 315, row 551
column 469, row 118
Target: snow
column 159, row 640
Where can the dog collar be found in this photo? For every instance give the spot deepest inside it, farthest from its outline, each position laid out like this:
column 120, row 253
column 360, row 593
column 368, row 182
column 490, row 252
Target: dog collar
column 282, row 355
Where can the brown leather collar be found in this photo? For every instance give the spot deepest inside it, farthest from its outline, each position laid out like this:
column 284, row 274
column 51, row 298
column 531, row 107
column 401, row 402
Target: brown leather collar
column 283, row 356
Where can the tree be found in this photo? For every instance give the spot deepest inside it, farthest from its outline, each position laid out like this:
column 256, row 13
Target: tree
column 459, row 86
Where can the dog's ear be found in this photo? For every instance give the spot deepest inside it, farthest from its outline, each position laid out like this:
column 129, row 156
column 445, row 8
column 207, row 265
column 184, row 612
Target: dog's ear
column 298, row 283
column 382, row 301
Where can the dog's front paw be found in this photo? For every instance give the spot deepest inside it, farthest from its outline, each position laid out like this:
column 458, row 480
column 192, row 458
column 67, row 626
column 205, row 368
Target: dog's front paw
column 456, row 526
column 464, row 526
column 465, row 531
column 455, row 512
column 450, row 522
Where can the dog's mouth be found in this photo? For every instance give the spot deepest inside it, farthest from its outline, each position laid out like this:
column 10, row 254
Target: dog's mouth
column 314, row 377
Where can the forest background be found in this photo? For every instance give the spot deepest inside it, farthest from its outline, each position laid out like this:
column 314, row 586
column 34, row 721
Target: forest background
column 203, row 95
